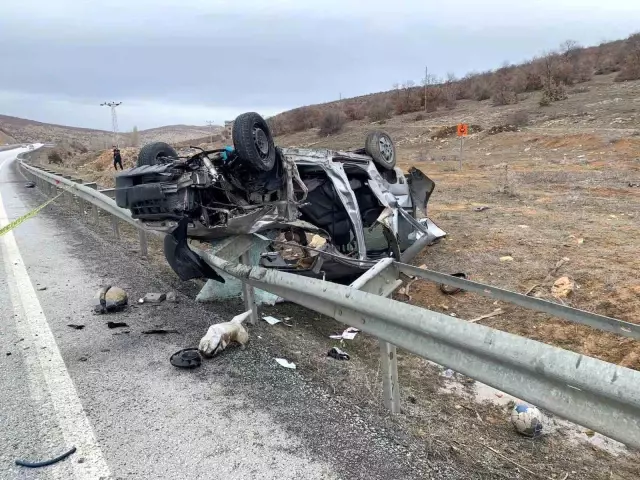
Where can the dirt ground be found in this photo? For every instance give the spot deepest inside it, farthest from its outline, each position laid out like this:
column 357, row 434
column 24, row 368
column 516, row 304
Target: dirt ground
column 560, row 187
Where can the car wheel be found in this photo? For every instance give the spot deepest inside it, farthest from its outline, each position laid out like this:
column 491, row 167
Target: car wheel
column 253, row 141
column 380, row 147
column 155, row 154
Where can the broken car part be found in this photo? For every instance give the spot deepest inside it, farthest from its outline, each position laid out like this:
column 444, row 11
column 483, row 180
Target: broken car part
column 448, row 289
column 186, row 358
column 44, row 463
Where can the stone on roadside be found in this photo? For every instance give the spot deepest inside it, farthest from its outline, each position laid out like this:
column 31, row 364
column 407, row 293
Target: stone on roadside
column 563, row 287
column 154, row 297
column 172, row 297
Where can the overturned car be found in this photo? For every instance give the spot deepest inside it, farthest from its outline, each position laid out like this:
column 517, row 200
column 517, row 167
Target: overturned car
column 342, row 210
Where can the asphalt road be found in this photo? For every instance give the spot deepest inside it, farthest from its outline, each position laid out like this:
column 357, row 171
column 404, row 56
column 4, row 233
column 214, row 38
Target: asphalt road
column 113, row 394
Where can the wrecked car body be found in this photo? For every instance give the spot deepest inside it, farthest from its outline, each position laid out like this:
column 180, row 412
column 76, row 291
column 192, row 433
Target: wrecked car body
column 341, row 210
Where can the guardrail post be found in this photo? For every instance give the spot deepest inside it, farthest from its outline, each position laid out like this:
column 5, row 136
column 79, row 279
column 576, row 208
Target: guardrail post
column 142, row 235
column 248, row 294
column 94, row 208
column 382, row 279
column 390, row 385
column 115, row 227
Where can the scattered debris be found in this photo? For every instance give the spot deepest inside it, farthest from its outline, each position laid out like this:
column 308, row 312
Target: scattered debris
column 171, row 297
column 141, row 300
column 448, row 289
column 563, row 287
column 495, row 313
column 186, row 358
column 271, row 320
column 220, row 335
column 154, row 297
column 285, row 363
column 30, row 185
column 448, row 373
column 44, row 463
column 527, row 420
column 42, row 289
column 348, row 334
column 110, row 299
column 528, row 292
column 523, row 226
column 580, row 241
column 8, row 353
column 75, row 326
column 589, row 433
column 83, row 359
column 338, row 354
column 159, row 331
column 636, row 185
column 506, row 258
column 412, row 399
column 122, row 332
column 481, row 209
column 116, row 324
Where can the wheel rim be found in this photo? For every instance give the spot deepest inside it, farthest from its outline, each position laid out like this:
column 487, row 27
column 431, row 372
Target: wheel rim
column 261, row 142
column 386, row 149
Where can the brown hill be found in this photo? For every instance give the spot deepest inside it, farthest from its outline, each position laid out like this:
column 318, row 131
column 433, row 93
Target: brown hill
column 24, row 130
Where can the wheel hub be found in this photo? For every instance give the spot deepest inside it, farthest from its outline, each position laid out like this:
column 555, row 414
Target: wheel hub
column 386, row 149
column 261, row 141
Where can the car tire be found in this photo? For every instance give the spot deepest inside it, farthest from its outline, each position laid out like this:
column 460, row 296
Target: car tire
column 253, row 141
column 380, row 147
column 155, row 154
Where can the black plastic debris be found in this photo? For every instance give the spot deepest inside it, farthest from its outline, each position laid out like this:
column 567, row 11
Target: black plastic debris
column 481, row 208
column 116, row 324
column 30, row 185
column 44, row 463
column 186, row 358
column 75, row 326
column 159, row 331
column 448, row 289
column 338, row 354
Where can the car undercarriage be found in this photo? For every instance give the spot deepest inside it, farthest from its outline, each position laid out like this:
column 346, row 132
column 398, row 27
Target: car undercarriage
column 326, row 213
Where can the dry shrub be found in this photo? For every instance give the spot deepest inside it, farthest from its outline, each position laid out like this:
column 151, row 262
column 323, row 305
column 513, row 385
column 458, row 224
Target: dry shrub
column 380, row 111
column 631, row 67
column 552, row 93
column 354, row 112
column 519, row 119
column 54, row 157
column 332, row 122
column 419, row 117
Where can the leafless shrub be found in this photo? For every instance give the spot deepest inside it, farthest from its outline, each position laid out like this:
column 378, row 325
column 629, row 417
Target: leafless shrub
column 54, row 157
column 332, row 122
column 631, row 68
column 380, row 111
column 354, row 112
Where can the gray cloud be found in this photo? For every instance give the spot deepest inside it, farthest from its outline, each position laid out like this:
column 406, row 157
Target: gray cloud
column 190, row 61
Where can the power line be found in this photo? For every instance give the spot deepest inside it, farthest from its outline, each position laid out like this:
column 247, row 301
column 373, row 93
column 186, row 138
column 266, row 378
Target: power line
column 114, row 119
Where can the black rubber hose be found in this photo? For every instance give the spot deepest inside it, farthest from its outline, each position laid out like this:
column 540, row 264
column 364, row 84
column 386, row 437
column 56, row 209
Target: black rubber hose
column 45, row 463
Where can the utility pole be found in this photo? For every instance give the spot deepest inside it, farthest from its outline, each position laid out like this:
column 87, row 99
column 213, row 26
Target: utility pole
column 210, row 123
column 114, row 119
column 426, row 81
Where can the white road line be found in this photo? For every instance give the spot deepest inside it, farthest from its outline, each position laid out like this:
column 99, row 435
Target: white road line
column 72, row 418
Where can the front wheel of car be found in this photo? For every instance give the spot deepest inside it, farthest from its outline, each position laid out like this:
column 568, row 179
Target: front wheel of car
column 155, row 153
column 380, row 147
column 253, row 141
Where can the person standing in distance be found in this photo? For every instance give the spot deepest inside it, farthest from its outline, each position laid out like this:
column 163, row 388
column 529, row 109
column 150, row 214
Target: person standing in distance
column 117, row 158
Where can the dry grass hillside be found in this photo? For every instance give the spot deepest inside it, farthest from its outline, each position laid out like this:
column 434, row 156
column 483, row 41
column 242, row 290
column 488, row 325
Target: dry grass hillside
column 22, row 130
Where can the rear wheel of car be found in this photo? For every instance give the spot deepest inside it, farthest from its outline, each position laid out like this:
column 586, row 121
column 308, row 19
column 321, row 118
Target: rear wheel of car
column 253, row 141
column 155, row 154
column 380, row 147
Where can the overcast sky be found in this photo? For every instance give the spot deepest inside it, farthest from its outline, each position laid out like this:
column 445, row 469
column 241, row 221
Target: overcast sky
column 189, row 61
